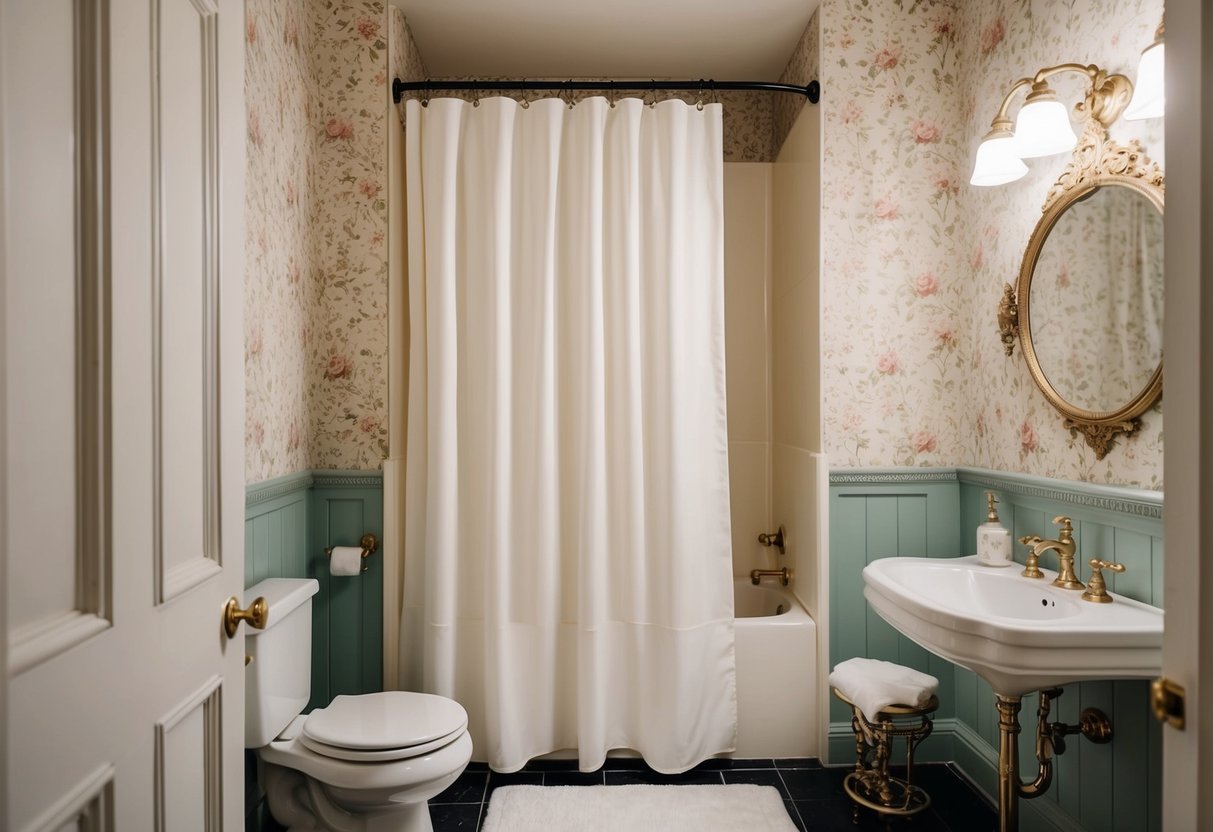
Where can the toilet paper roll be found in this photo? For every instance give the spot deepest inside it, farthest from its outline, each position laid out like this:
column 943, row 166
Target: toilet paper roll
column 345, row 560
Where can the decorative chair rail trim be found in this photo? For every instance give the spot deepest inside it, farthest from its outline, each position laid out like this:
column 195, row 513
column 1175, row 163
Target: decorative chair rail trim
column 347, row 479
column 262, row 492
column 267, row 490
column 871, row 476
column 1134, row 502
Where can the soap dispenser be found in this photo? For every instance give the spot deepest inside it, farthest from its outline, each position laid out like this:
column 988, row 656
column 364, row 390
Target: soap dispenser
column 993, row 541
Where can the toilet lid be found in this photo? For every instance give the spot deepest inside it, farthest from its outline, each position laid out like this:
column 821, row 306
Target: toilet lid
column 379, row 755
column 391, row 720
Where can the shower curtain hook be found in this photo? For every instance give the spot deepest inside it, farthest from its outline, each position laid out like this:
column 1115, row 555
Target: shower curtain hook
column 612, row 95
column 653, row 92
column 475, row 92
column 526, row 102
column 425, row 94
column 568, row 94
column 699, row 99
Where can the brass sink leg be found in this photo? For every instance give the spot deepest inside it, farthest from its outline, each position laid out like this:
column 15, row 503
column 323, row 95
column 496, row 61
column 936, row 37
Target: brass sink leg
column 1008, row 763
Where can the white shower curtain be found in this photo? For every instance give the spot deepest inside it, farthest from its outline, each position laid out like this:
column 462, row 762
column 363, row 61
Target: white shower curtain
column 568, row 574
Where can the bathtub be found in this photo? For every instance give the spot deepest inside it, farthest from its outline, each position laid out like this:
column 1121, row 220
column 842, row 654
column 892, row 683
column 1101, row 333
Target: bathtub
column 777, row 690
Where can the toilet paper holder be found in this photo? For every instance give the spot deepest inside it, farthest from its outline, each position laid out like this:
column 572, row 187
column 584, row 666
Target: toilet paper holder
column 369, row 544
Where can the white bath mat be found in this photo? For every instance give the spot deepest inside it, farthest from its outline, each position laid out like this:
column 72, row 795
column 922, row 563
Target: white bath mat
column 735, row 808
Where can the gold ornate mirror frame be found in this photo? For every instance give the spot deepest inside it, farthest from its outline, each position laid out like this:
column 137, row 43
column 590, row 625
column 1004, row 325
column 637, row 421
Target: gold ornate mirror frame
column 1097, row 162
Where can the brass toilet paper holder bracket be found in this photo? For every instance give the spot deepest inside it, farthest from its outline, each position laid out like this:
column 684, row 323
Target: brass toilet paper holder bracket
column 369, row 544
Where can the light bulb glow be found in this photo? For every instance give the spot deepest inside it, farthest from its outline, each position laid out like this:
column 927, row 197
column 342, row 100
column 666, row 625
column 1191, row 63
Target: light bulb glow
column 1149, row 94
column 1043, row 129
column 997, row 161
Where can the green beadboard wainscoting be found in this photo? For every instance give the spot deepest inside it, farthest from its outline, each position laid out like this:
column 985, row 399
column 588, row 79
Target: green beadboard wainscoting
column 935, row 513
column 288, row 523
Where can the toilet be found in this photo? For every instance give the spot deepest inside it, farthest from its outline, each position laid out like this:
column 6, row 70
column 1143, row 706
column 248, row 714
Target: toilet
column 366, row 763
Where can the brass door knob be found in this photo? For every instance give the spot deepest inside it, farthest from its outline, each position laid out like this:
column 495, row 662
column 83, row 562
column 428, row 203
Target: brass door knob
column 257, row 615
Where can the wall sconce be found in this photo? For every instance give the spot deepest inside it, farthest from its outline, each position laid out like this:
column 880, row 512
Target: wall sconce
column 1043, row 125
column 1149, row 96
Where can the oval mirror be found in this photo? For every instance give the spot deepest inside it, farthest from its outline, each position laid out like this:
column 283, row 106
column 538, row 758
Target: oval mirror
column 1090, row 301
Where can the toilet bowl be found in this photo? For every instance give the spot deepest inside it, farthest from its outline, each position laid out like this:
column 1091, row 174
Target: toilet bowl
column 365, row 763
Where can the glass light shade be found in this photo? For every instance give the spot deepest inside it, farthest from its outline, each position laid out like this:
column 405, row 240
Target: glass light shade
column 1149, row 94
column 998, row 161
column 1043, row 128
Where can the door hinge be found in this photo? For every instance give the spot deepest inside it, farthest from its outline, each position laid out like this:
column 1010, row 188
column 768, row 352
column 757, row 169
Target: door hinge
column 1167, row 702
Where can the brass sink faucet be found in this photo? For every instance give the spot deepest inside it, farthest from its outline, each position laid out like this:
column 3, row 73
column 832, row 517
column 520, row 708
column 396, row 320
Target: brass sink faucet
column 1064, row 546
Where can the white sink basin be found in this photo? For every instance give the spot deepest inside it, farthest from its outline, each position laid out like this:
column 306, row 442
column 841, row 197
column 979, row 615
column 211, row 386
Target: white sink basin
column 1019, row 634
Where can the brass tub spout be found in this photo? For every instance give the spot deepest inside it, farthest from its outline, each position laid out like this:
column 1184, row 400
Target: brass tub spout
column 784, row 575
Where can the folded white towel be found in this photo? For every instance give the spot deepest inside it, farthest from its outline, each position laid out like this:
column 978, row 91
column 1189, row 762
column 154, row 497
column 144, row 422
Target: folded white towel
column 874, row 685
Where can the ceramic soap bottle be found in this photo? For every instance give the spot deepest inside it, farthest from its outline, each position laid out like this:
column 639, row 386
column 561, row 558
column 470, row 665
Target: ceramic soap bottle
column 993, row 541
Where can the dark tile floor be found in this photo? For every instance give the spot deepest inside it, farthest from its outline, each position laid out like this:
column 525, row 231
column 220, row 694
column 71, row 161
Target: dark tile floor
column 812, row 794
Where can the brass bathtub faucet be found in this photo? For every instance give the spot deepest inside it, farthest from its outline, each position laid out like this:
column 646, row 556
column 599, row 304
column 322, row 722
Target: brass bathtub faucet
column 784, row 575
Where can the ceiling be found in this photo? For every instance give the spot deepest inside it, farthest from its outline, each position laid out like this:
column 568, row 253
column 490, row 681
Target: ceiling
column 727, row 40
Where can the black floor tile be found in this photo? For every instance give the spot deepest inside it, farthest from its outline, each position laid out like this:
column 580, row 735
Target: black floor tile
column 690, row 778
column 794, row 815
column 474, row 766
column 469, row 788
column 814, row 783
column 625, row 764
column 836, row 815
column 725, row 763
column 797, row 762
column 954, row 800
column 758, row 777
column 572, row 778
column 517, row 778
column 455, row 817
column 551, row 765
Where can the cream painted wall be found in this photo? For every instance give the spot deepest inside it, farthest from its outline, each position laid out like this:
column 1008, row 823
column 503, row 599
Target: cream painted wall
column 747, row 279
column 795, row 337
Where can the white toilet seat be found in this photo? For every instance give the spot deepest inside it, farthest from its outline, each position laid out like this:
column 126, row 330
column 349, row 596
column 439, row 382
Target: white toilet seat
column 357, row 755
column 379, row 727
column 288, row 751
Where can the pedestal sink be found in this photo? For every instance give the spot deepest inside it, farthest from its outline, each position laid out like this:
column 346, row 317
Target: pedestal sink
column 1020, row 635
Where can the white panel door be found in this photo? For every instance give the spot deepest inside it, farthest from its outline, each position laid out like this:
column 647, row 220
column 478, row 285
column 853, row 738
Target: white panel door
column 122, row 142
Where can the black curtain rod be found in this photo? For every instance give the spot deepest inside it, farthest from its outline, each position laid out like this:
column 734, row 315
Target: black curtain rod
column 811, row 91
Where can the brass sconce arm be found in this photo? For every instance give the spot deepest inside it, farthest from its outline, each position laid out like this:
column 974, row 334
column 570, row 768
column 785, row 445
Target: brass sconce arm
column 1107, row 97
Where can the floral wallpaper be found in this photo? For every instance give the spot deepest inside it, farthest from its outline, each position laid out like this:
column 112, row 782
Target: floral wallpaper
column 279, row 295
column 1009, row 423
column 894, row 296
column 347, row 353
column 316, row 261
column 915, row 258
column 804, row 66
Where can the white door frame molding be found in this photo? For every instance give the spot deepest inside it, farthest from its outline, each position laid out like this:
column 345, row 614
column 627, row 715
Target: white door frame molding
column 1188, row 452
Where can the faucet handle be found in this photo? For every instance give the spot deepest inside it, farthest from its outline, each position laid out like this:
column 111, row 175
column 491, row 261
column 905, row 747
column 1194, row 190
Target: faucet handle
column 1066, row 524
column 1097, row 588
column 1031, row 568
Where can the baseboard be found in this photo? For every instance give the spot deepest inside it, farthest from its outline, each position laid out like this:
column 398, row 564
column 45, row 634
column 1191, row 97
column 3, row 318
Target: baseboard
column 953, row 741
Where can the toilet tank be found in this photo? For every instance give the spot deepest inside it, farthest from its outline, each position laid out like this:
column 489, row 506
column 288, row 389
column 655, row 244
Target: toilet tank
column 278, row 680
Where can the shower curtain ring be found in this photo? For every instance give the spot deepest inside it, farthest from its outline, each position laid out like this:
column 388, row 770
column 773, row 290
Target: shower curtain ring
column 612, row 94
column 526, row 102
column 699, row 98
column 568, row 94
column 475, row 92
column 425, row 95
